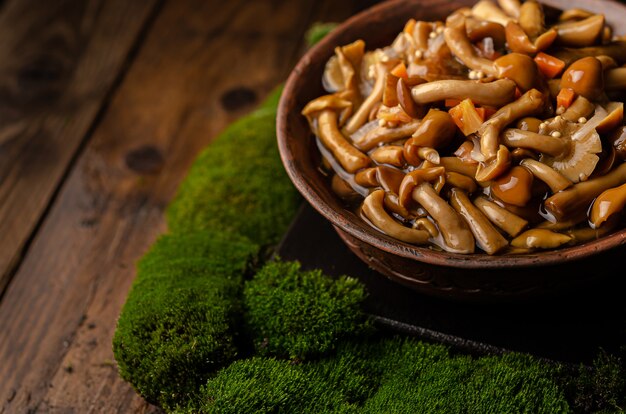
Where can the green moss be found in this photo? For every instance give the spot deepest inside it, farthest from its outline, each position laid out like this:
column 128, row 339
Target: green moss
column 266, row 385
column 599, row 388
column 318, row 31
column 460, row 384
column 387, row 376
column 179, row 322
column 302, row 314
column 238, row 184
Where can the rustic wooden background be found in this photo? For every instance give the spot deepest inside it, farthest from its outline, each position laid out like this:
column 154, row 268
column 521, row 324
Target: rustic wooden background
column 103, row 107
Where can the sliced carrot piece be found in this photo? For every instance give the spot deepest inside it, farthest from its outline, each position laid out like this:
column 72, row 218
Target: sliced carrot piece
column 449, row 103
column 466, row 117
column 565, row 98
column 549, row 65
column 485, row 113
column 400, row 71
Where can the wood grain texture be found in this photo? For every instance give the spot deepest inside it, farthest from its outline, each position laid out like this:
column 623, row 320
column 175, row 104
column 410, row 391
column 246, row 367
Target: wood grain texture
column 58, row 61
column 203, row 64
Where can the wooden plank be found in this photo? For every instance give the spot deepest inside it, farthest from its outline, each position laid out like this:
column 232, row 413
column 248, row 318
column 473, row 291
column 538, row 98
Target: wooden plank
column 58, row 62
column 199, row 58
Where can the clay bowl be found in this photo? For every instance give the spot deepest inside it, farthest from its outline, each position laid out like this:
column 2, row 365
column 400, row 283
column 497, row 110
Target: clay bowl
column 477, row 277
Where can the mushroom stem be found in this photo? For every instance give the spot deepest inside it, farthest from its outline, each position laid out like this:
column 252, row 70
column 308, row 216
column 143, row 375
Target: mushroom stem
column 373, row 209
column 585, row 234
column 546, row 144
column 479, row 29
column 430, row 154
column 350, row 158
column 456, row 165
column 577, row 199
column 413, row 179
column 616, row 50
column 456, row 38
column 487, row 237
column 615, row 79
column 366, row 177
column 581, row 33
column 487, row 10
column 531, row 18
column 541, row 171
column 511, row 7
column 361, row 114
column 383, row 135
column 518, row 40
column 530, row 103
column 461, row 181
column 342, row 188
column 349, row 59
column 540, row 239
column 581, row 107
column 456, row 234
column 501, row 217
column 388, row 154
column 427, row 225
column 495, row 93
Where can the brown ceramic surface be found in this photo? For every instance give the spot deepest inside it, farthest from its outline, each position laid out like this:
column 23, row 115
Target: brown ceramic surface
column 476, row 276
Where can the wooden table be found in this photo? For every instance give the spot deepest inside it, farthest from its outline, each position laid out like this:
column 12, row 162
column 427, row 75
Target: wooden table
column 103, row 107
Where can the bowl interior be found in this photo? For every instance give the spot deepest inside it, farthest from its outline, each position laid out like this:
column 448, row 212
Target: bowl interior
column 377, row 27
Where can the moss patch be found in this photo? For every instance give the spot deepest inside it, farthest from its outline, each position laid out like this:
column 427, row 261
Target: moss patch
column 298, row 314
column 180, row 320
column 387, row 376
column 238, row 183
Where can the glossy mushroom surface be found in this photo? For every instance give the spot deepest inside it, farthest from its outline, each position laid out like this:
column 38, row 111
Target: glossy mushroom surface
column 466, row 134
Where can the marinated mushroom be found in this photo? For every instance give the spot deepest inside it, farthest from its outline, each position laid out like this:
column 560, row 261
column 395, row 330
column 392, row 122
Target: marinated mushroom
column 377, row 135
column 531, row 103
column 518, row 40
column 540, row 239
column 514, row 187
column 577, row 199
column 501, row 217
column 494, row 94
column 456, row 233
column 615, row 79
column 350, row 158
column 610, row 202
column 460, row 45
column 546, row 144
column 360, row 116
column 510, row 7
column 531, row 18
column 487, row 10
column 374, row 210
column 481, row 29
column 581, row 33
column 541, row 171
column 487, row 237
column 520, row 68
column 499, row 131
column 585, row 77
column 388, row 154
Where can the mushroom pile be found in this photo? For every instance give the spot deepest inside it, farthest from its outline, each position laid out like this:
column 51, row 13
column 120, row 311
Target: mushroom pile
column 499, row 129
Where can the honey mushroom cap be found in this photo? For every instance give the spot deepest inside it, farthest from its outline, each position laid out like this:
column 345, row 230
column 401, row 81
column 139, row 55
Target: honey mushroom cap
column 585, row 77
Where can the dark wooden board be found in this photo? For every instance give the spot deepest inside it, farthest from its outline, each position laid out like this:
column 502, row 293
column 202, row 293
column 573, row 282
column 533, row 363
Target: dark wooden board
column 201, row 65
column 59, row 60
column 570, row 328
